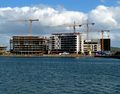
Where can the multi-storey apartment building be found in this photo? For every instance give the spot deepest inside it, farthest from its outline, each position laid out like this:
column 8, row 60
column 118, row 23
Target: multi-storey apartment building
column 66, row 42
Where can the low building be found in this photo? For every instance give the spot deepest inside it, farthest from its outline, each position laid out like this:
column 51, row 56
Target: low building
column 2, row 49
column 96, row 45
column 92, row 46
column 28, row 45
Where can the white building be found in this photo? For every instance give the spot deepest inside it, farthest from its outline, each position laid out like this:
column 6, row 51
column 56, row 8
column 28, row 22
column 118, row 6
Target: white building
column 93, row 45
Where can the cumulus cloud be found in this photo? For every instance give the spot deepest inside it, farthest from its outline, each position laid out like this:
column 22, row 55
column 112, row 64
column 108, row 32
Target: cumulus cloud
column 47, row 16
column 50, row 19
column 107, row 18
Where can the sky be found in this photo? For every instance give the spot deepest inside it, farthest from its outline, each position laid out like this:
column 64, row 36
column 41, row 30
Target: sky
column 76, row 5
column 55, row 15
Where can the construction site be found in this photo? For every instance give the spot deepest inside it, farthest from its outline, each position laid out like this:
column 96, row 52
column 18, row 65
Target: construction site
column 59, row 43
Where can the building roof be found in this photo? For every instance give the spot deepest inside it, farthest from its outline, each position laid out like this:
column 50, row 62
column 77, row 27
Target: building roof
column 76, row 33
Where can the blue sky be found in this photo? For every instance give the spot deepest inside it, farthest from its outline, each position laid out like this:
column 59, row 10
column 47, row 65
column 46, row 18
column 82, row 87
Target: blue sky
column 75, row 5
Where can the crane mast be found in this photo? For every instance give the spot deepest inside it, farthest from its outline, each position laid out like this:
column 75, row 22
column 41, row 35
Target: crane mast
column 87, row 34
column 30, row 25
column 73, row 26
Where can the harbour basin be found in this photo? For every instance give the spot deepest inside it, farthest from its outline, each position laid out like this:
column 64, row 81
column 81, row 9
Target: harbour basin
column 48, row 75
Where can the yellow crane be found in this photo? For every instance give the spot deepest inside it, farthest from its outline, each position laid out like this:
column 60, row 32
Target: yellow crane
column 30, row 25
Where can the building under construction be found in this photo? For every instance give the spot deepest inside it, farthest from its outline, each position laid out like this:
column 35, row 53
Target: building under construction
column 75, row 43
column 57, row 43
column 106, row 44
column 28, row 45
column 65, row 42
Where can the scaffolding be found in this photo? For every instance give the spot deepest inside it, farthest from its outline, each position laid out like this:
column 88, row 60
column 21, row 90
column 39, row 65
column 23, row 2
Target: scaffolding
column 28, row 45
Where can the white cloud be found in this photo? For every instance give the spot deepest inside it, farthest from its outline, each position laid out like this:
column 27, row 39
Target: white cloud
column 46, row 15
column 107, row 18
column 104, row 18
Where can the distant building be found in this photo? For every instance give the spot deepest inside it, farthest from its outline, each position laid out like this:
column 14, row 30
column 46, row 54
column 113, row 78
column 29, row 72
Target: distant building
column 28, row 45
column 2, row 49
column 65, row 42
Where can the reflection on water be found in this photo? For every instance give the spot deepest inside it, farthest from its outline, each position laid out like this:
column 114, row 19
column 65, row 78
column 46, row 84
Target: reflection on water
column 59, row 76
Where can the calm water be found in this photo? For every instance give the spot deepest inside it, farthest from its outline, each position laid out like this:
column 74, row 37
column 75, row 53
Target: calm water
column 59, row 76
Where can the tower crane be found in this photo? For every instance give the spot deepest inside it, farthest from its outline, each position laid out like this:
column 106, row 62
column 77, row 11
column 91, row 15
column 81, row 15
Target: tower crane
column 30, row 24
column 73, row 26
column 87, row 28
column 87, row 35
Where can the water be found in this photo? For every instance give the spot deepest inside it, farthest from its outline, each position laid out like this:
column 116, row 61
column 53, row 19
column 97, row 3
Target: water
column 59, row 75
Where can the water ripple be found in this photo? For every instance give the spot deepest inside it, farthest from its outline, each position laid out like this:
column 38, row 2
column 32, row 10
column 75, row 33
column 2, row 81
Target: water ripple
column 59, row 76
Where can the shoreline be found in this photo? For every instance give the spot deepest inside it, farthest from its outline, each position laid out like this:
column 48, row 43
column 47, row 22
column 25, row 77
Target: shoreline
column 47, row 55
column 59, row 56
